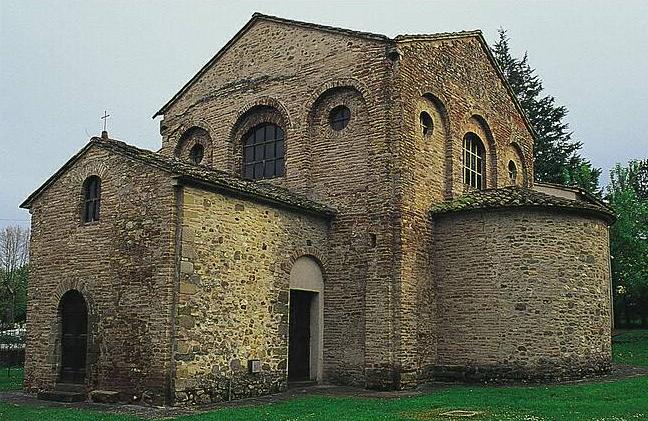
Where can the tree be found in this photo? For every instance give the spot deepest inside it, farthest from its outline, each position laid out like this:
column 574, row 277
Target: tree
column 556, row 154
column 628, row 195
column 14, row 253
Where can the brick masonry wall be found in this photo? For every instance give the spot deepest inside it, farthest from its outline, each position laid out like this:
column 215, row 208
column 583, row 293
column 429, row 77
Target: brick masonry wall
column 294, row 76
column 522, row 294
column 124, row 267
column 232, row 304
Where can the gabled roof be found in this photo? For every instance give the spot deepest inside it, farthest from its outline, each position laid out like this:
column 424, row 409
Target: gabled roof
column 515, row 197
column 197, row 175
column 364, row 35
column 255, row 18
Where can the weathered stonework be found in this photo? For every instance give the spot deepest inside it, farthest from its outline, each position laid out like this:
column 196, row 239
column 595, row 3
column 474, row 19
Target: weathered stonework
column 537, row 307
column 232, row 305
column 124, row 267
column 187, row 273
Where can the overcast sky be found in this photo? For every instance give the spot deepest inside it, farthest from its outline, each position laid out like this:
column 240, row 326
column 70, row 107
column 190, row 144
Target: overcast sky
column 63, row 62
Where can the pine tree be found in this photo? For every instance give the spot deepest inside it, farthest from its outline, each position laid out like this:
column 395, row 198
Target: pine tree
column 557, row 156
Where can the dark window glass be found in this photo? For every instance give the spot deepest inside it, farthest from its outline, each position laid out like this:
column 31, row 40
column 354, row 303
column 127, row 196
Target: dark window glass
column 263, row 152
column 473, row 161
column 512, row 170
column 427, row 125
column 92, row 199
column 197, row 153
column 340, row 117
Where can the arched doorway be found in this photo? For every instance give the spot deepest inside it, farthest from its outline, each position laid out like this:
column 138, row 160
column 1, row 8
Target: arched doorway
column 305, row 331
column 73, row 313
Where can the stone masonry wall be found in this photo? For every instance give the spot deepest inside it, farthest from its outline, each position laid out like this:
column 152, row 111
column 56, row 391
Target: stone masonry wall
column 123, row 265
column 522, row 293
column 233, row 296
column 300, row 74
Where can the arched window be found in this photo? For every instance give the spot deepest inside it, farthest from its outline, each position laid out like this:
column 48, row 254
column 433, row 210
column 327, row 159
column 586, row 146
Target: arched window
column 427, row 125
column 197, row 153
column 512, row 171
column 263, row 152
column 92, row 198
column 474, row 163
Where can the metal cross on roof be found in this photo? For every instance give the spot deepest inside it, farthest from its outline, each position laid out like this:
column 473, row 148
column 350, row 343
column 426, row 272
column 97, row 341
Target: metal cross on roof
column 105, row 119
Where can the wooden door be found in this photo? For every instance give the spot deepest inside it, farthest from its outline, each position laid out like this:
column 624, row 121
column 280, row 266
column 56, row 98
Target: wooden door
column 74, row 334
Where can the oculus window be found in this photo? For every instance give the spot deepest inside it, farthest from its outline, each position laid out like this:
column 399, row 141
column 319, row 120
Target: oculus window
column 340, row 117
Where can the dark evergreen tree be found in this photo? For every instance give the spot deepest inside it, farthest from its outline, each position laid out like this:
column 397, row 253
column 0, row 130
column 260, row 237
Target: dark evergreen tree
column 557, row 156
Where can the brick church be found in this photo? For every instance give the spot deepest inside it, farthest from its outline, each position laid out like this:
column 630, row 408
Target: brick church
column 327, row 206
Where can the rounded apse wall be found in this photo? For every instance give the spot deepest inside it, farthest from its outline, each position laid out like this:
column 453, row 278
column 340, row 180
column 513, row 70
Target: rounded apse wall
column 523, row 293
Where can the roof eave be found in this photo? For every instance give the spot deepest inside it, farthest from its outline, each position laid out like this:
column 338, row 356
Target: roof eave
column 26, row 204
column 608, row 217
column 203, row 184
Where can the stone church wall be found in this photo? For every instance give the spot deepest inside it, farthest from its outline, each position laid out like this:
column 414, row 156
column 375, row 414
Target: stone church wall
column 123, row 265
column 295, row 76
column 522, row 294
column 232, row 305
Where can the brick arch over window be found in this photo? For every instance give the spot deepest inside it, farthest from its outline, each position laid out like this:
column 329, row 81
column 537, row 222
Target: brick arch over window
column 515, row 154
column 332, row 85
column 479, row 126
column 348, row 96
column 436, row 144
column 252, row 110
column 191, row 137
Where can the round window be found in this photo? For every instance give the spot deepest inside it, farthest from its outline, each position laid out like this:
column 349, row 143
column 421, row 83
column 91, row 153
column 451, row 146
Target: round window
column 426, row 123
column 197, row 153
column 340, row 117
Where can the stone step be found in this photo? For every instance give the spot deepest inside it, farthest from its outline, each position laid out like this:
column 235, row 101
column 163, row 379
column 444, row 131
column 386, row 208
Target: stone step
column 69, row 387
column 293, row 384
column 104, row 396
column 61, row 396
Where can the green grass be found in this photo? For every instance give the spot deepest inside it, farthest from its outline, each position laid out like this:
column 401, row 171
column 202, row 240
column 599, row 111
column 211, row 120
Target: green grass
column 614, row 400
column 631, row 347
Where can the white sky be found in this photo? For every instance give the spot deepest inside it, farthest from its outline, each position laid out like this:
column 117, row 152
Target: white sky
column 63, row 62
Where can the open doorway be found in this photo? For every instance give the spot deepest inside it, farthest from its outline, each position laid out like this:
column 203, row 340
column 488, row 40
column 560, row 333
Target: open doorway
column 73, row 313
column 305, row 330
column 299, row 344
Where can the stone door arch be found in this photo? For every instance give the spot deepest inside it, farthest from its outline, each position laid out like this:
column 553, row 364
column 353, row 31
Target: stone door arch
column 306, row 320
column 73, row 318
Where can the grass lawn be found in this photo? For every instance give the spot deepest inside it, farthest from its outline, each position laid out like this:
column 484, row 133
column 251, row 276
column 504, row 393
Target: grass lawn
column 615, row 400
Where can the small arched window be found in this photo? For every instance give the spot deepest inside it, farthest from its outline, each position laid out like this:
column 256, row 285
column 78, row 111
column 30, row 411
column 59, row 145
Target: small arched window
column 197, row 153
column 263, row 152
column 512, row 172
column 92, row 198
column 474, row 163
column 427, row 125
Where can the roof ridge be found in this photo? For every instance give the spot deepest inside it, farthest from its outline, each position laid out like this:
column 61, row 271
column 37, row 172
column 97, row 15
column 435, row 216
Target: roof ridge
column 438, row 35
column 330, row 28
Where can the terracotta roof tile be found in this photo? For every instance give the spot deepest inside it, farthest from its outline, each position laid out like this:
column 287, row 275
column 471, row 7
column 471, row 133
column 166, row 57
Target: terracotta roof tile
column 512, row 197
column 202, row 175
